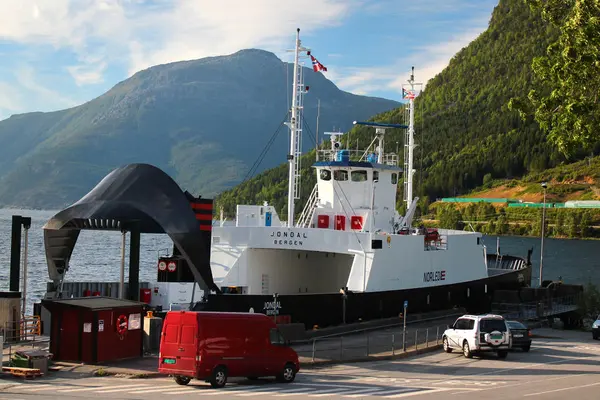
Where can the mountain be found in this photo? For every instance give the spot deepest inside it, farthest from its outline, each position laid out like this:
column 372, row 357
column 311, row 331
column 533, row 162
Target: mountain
column 205, row 122
column 464, row 129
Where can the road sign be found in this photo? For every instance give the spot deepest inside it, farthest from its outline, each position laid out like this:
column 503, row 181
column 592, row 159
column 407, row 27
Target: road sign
column 405, row 303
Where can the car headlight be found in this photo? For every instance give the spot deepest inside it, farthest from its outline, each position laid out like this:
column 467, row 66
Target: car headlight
column 595, row 325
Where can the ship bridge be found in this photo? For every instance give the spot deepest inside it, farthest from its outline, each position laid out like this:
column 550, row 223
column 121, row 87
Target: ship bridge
column 355, row 195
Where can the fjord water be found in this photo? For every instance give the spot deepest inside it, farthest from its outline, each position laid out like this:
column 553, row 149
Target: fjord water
column 97, row 255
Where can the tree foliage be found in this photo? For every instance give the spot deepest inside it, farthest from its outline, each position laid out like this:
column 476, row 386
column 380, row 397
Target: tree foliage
column 589, row 302
column 466, row 133
column 570, row 111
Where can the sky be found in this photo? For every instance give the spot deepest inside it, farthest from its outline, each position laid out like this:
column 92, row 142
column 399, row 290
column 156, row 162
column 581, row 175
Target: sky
column 56, row 54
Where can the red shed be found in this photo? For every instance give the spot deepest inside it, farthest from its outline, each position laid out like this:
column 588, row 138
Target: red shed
column 95, row 329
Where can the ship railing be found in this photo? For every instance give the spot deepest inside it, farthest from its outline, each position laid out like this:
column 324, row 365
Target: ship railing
column 537, row 309
column 391, row 159
column 309, row 209
column 355, row 345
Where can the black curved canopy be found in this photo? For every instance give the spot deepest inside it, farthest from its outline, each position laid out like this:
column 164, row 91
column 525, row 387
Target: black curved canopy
column 139, row 194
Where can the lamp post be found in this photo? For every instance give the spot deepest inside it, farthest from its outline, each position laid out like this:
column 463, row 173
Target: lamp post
column 544, row 186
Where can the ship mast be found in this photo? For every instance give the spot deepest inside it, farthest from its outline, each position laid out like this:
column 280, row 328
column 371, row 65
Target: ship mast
column 295, row 126
column 409, row 144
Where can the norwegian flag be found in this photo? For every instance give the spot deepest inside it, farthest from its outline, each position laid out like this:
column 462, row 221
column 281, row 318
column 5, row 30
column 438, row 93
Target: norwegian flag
column 317, row 66
column 407, row 94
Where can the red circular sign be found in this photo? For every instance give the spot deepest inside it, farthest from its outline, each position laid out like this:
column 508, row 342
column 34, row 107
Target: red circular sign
column 162, row 266
column 172, row 266
column 121, row 324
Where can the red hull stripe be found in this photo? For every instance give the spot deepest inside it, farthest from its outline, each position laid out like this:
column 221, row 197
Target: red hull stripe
column 200, row 206
column 204, row 217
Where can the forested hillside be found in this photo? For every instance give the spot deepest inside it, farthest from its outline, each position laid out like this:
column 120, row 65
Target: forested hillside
column 464, row 127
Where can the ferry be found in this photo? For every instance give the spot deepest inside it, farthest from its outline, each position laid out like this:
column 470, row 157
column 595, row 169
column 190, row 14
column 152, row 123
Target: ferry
column 349, row 255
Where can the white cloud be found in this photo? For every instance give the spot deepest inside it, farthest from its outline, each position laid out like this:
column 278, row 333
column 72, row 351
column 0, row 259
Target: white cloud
column 142, row 33
column 10, row 99
column 88, row 73
column 428, row 62
column 27, row 79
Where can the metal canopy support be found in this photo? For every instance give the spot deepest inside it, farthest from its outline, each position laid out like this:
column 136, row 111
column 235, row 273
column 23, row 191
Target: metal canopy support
column 122, row 279
column 15, row 254
column 25, row 250
column 134, row 261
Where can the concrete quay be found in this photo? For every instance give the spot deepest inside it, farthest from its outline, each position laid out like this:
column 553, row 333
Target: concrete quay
column 560, row 364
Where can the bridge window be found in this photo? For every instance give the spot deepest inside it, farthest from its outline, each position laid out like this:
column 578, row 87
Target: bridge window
column 340, row 175
column 394, row 178
column 359, row 176
column 325, row 175
column 375, row 176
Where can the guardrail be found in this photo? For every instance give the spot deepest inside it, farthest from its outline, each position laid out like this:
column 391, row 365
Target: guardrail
column 27, row 328
column 537, row 309
column 25, row 332
column 378, row 344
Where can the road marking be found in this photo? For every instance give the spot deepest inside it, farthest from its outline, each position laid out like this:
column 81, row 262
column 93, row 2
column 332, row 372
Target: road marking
column 292, row 392
column 562, row 389
column 138, row 386
column 196, row 389
column 91, row 388
column 361, row 393
column 151, row 390
column 414, row 392
column 328, row 384
column 236, row 389
column 467, row 391
column 35, row 387
column 327, row 392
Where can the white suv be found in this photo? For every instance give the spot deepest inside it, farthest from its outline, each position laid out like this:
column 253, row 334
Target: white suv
column 478, row 333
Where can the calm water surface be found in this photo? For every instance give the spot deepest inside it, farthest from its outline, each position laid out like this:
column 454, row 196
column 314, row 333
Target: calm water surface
column 97, row 255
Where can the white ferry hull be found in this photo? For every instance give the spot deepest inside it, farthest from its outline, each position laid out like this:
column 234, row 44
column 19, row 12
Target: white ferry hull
column 305, row 269
column 267, row 260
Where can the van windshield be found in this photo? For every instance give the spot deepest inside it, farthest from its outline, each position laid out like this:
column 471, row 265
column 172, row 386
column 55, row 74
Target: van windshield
column 276, row 337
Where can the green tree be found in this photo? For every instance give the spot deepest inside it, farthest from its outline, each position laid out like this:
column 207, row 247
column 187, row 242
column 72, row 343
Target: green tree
column 487, row 179
column 559, row 225
column 449, row 217
column 589, row 302
column 570, row 112
column 584, row 224
column 502, row 224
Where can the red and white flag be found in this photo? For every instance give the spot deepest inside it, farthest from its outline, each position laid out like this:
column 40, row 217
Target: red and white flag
column 317, row 66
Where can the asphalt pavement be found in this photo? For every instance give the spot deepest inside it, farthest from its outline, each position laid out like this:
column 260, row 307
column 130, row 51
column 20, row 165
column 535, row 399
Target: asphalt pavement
column 560, row 365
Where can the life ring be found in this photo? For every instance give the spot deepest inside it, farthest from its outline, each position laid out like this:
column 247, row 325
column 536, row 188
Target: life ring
column 122, row 324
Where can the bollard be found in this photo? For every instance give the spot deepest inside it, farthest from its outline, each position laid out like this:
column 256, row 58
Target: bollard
column 437, row 335
column 313, row 349
column 341, row 348
column 427, row 338
column 416, row 338
column 393, row 342
column 367, row 344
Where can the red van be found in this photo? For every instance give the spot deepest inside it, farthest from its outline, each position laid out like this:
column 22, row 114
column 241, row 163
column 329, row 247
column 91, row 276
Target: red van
column 213, row 346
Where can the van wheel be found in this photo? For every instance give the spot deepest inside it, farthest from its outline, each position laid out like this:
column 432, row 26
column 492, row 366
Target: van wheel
column 526, row 348
column 467, row 350
column 182, row 380
column 447, row 348
column 502, row 354
column 219, row 377
column 288, row 374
